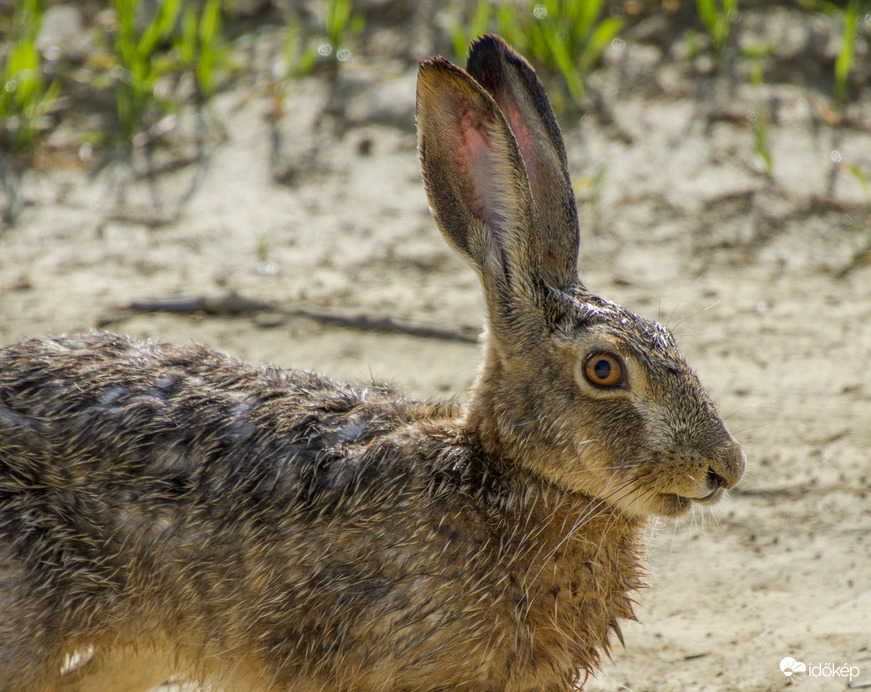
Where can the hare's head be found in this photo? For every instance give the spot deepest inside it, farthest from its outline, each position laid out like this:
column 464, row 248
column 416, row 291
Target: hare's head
column 575, row 389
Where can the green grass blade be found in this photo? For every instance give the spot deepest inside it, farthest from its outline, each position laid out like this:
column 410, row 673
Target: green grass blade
column 209, row 34
column 160, row 27
column 582, row 14
column 186, row 43
column 481, row 20
column 337, row 21
column 858, row 174
column 599, row 40
column 708, row 14
column 844, row 61
column 23, row 72
column 562, row 57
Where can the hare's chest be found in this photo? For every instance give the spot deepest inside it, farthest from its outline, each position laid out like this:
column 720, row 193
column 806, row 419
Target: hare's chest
column 556, row 622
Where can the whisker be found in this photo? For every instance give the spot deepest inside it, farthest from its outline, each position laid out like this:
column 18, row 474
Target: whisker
column 596, row 468
column 738, row 431
column 693, row 314
column 689, row 288
column 747, row 407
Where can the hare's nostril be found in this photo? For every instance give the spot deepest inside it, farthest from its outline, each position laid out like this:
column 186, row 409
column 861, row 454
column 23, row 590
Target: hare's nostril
column 715, row 480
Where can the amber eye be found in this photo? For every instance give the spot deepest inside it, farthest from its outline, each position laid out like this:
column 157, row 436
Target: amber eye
column 603, row 370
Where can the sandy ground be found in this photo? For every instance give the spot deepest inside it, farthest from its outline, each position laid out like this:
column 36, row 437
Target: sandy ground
column 324, row 217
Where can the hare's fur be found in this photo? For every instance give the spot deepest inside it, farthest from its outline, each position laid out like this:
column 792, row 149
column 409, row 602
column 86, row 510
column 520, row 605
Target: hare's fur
column 172, row 512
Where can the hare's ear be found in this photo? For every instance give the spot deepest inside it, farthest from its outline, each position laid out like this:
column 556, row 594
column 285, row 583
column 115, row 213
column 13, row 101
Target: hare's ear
column 513, row 84
column 479, row 194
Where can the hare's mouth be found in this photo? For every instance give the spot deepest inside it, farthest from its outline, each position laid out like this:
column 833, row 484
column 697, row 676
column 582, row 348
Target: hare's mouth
column 675, row 505
column 668, row 504
column 709, row 499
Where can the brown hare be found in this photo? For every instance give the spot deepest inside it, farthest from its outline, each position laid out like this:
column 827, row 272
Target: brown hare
column 171, row 512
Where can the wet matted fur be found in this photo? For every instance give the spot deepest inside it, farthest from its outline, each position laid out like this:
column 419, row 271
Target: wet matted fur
column 173, row 512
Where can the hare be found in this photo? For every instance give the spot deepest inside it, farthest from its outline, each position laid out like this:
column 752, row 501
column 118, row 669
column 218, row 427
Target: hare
column 172, row 512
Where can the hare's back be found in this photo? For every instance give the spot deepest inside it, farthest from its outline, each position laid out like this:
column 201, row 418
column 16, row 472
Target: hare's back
column 102, row 412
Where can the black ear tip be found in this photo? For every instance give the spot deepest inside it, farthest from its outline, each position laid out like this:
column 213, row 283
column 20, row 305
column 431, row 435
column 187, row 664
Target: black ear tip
column 486, row 60
column 488, row 48
column 488, row 42
column 490, row 57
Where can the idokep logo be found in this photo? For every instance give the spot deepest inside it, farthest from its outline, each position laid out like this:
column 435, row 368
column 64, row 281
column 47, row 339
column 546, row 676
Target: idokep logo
column 790, row 668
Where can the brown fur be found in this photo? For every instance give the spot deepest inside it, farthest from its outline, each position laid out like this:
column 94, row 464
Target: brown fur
column 175, row 512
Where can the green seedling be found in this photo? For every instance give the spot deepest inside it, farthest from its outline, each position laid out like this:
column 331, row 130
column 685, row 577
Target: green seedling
column 198, row 44
column 760, row 122
column 136, row 51
column 301, row 48
column 822, row 6
column 859, row 174
column 298, row 52
column 718, row 17
column 24, row 95
column 341, row 23
column 846, row 55
column 264, row 246
column 566, row 36
column 569, row 36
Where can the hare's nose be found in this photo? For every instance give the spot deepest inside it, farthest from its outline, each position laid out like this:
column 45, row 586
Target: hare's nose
column 726, row 471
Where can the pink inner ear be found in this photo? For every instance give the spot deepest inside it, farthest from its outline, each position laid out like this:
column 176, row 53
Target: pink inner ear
column 523, row 136
column 486, row 178
column 475, row 157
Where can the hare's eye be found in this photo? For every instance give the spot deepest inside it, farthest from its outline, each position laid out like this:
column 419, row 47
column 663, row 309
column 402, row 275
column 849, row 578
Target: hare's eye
column 603, row 370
